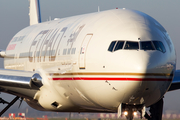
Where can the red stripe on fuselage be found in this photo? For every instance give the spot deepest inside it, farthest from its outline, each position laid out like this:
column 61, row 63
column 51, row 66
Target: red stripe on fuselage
column 113, row 79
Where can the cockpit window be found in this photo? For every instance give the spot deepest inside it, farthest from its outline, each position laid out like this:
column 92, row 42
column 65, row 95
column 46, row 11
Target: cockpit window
column 119, row 45
column 159, row 46
column 131, row 45
column 147, row 45
column 111, row 46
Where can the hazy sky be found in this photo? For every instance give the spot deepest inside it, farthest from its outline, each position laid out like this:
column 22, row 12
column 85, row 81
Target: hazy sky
column 14, row 17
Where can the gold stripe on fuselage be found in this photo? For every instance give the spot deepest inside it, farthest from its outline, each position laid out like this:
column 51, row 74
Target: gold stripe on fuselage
column 131, row 74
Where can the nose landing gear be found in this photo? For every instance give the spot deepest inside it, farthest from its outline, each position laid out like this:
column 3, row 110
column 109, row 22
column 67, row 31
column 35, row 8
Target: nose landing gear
column 156, row 111
column 130, row 111
column 129, row 116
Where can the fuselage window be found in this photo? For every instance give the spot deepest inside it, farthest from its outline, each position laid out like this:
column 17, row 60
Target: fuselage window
column 159, row 46
column 111, row 47
column 119, row 45
column 64, row 51
column 147, row 45
column 131, row 45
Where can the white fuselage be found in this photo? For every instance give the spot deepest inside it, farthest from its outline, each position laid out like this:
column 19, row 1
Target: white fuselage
column 80, row 72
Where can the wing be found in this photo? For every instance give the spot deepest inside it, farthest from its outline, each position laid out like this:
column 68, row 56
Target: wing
column 22, row 84
column 18, row 82
column 176, row 81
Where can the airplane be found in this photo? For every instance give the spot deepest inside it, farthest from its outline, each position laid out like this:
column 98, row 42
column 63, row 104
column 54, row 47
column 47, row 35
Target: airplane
column 114, row 61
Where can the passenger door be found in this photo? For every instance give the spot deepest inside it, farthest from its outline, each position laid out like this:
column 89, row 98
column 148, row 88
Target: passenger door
column 82, row 55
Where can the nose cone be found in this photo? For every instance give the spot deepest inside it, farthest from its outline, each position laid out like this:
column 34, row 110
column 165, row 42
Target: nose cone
column 152, row 75
column 143, row 62
column 137, row 61
column 140, row 61
column 154, row 62
column 134, row 61
column 146, row 75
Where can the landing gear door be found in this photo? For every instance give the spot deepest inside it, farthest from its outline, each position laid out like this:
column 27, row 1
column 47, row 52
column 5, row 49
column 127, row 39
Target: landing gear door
column 82, row 55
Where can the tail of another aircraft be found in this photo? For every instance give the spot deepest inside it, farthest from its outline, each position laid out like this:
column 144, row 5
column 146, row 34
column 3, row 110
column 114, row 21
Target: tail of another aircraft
column 34, row 12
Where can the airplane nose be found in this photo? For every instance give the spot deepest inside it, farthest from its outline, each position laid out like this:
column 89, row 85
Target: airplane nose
column 148, row 62
column 149, row 76
column 155, row 62
column 139, row 61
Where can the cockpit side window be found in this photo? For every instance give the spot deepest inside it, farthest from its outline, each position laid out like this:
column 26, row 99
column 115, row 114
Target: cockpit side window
column 162, row 46
column 119, row 45
column 147, row 45
column 159, row 46
column 131, row 45
column 111, row 47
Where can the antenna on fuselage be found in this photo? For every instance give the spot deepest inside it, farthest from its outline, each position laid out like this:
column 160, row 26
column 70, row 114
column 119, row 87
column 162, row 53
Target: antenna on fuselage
column 98, row 9
column 49, row 18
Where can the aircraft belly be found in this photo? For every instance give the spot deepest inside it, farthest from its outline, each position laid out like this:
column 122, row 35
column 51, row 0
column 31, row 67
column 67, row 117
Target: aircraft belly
column 108, row 93
column 148, row 93
column 154, row 91
column 90, row 94
column 97, row 94
column 101, row 93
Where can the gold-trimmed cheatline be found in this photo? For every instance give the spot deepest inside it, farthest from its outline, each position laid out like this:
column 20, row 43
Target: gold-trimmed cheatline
column 136, row 74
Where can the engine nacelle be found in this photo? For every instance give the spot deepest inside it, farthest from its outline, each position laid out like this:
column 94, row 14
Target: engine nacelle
column 34, row 104
column 50, row 99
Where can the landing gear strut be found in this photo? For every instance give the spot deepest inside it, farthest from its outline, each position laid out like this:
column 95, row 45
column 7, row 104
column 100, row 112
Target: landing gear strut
column 130, row 111
column 156, row 111
column 130, row 115
column 9, row 104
